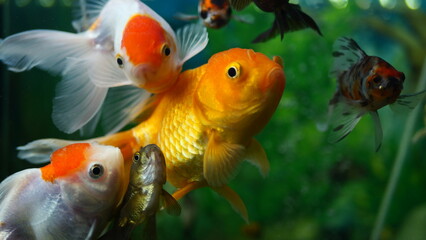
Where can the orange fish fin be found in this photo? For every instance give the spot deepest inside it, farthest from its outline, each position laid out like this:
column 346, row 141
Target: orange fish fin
column 234, row 199
column 221, row 160
column 170, row 204
column 181, row 192
column 257, row 156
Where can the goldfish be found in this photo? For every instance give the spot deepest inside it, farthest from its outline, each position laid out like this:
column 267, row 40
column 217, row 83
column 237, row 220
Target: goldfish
column 205, row 124
column 145, row 193
column 288, row 17
column 364, row 85
column 214, row 14
column 73, row 197
column 128, row 50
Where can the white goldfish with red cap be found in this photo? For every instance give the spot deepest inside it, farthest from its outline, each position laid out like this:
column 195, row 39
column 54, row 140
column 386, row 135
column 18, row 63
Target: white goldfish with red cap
column 73, row 197
column 128, row 46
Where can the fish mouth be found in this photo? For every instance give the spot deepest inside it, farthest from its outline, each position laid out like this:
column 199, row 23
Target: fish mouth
column 275, row 78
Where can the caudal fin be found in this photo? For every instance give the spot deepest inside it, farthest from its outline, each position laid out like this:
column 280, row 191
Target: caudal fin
column 288, row 19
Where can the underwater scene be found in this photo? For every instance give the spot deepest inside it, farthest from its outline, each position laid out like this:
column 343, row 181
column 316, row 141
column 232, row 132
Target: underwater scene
column 213, row 119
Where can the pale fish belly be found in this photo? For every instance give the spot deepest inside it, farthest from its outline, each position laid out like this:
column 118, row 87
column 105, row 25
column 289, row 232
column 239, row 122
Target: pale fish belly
column 183, row 142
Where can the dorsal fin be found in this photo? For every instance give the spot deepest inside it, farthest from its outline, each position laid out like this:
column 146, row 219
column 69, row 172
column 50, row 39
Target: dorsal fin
column 85, row 13
column 346, row 53
column 64, row 161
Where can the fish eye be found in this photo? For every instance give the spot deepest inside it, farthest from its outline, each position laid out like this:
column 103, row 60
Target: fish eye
column 120, row 61
column 203, row 14
column 136, row 157
column 166, row 50
column 377, row 79
column 233, row 71
column 96, row 171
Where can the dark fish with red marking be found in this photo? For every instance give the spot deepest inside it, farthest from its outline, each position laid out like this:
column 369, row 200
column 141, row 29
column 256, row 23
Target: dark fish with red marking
column 288, row 17
column 214, row 14
column 364, row 85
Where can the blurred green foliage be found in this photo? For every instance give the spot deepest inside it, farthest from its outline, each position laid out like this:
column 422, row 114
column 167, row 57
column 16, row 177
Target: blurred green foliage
column 314, row 190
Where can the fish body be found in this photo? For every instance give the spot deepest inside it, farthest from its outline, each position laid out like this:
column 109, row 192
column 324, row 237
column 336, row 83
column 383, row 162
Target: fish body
column 145, row 195
column 215, row 14
column 288, row 17
column 205, row 124
column 127, row 46
column 364, row 85
column 71, row 198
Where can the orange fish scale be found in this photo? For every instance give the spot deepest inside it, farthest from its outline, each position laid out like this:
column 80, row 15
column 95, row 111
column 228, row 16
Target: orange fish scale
column 184, row 145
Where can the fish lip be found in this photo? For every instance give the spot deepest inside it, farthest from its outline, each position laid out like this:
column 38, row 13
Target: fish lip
column 274, row 77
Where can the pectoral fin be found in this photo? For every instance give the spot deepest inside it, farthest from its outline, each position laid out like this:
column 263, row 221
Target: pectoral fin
column 234, row 199
column 378, row 129
column 170, row 204
column 257, row 156
column 192, row 39
column 221, row 160
column 342, row 120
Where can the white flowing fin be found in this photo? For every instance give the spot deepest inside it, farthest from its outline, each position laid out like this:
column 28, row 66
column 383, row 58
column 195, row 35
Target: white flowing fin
column 39, row 151
column 122, row 105
column 105, row 71
column 346, row 53
column 90, row 127
column 44, row 49
column 15, row 182
column 378, row 129
column 77, row 98
column 342, row 120
column 407, row 101
column 192, row 39
column 85, row 13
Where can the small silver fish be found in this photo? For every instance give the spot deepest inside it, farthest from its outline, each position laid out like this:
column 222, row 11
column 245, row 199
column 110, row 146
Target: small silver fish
column 145, row 195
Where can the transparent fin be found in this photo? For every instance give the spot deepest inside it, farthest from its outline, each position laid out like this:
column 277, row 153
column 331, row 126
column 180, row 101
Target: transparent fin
column 407, row 101
column 346, row 53
column 170, row 204
column 45, row 49
column 185, row 17
column 77, row 99
column 234, row 199
column 257, row 156
column 85, row 13
column 239, row 4
column 122, row 105
column 342, row 120
column 192, row 39
column 221, row 160
column 244, row 18
column 377, row 129
column 39, row 151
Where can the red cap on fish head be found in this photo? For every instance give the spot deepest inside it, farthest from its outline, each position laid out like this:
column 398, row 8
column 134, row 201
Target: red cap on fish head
column 64, row 161
column 143, row 38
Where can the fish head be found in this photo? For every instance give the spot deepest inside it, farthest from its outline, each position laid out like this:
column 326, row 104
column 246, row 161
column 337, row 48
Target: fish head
column 149, row 54
column 214, row 14
column 384, row 82
column 91, row 176
column 148, row 167
column 240, row 90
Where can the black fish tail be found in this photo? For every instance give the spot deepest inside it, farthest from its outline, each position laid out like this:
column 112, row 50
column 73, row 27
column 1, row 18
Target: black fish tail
column 288, row 18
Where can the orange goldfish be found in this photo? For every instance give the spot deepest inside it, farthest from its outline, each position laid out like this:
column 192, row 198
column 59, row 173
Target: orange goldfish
column 288, row 17
column 127, row 46
column 206, row 122
column 73, row 197
column 364, row 85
